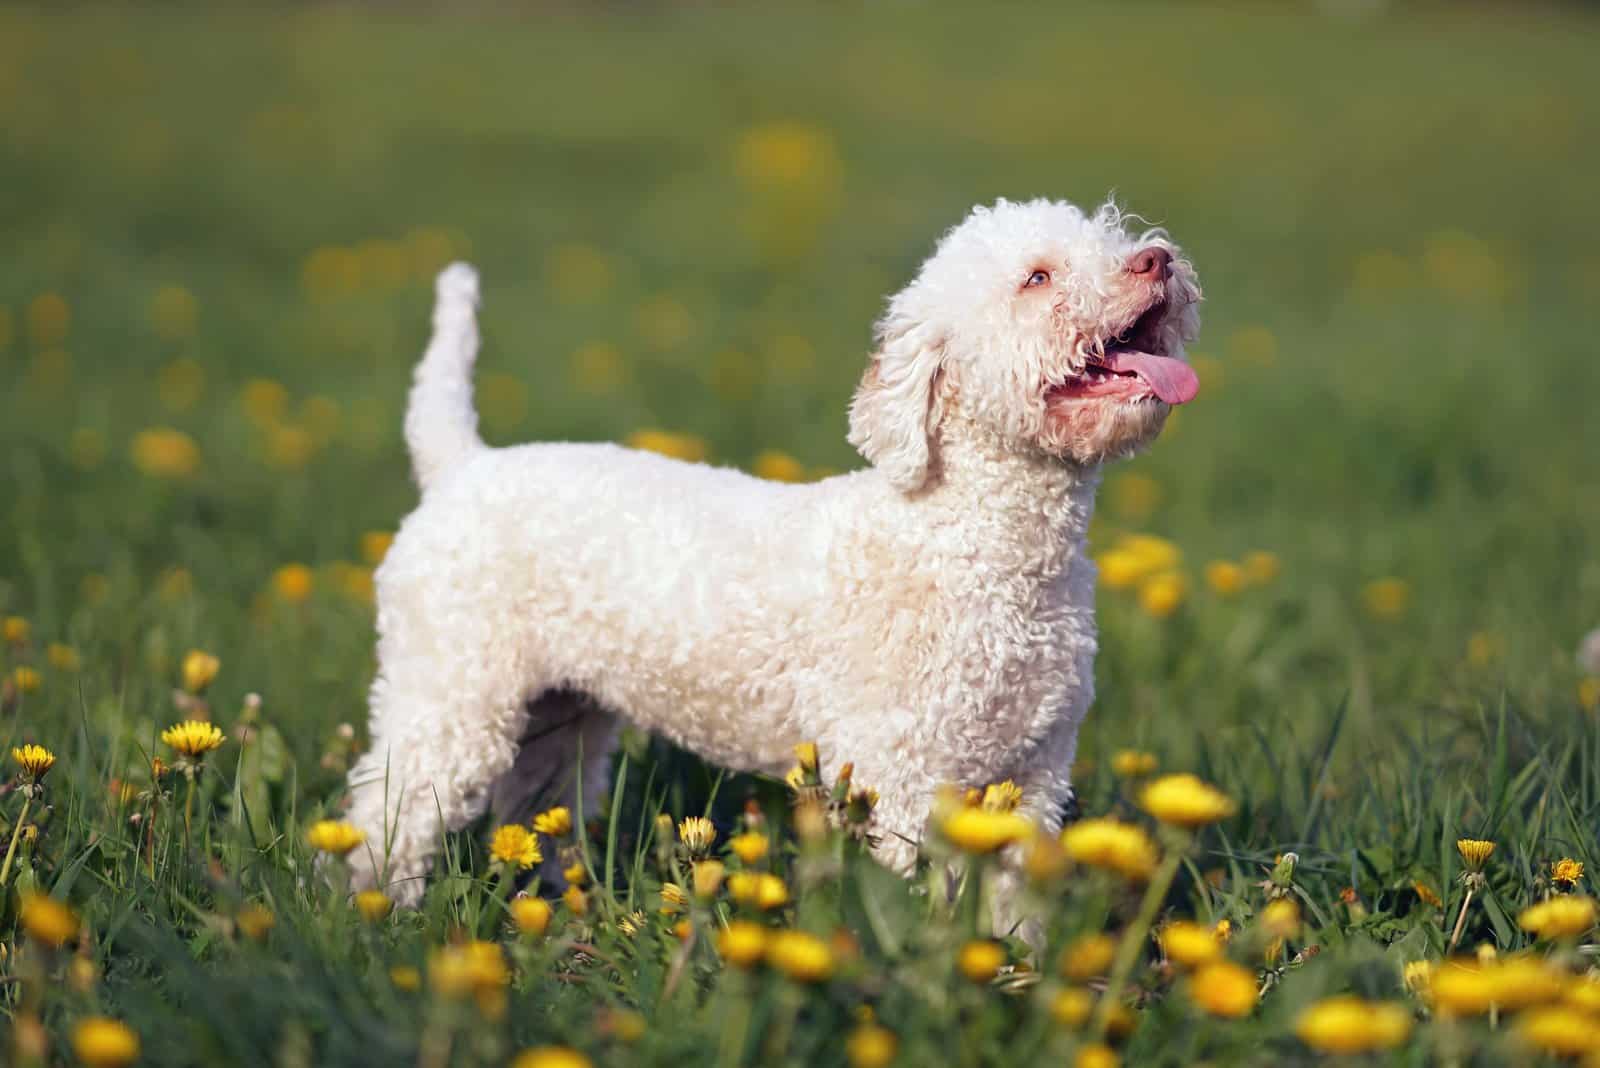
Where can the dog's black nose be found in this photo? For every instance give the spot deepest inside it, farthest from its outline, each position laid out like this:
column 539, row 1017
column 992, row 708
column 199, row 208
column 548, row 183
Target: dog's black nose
column 1153, row 263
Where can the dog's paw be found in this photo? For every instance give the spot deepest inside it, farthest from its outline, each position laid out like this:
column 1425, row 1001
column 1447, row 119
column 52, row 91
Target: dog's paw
column 458, row 283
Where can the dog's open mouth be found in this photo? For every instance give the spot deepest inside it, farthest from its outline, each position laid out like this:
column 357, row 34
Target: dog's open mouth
column 1133, row 366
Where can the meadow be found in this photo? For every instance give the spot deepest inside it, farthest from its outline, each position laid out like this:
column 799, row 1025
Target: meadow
column 1347, row 589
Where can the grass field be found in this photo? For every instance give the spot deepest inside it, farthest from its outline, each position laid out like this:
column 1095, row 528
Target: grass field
column 1378, row 525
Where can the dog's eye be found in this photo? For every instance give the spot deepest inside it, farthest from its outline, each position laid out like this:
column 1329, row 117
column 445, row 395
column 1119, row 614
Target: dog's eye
column 1037, row 278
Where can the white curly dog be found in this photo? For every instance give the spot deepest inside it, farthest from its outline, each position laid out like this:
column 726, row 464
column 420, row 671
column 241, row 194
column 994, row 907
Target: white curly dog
column 930, row 618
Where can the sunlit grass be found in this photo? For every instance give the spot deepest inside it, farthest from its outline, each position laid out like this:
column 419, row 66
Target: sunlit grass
column 1346, row 591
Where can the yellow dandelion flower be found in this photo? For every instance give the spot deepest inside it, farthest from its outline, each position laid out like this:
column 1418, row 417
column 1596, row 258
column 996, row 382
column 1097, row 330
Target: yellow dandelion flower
column 742, row 943
column 1483, row 648
column 598, row 367
column 1153, row 554
column 673, row 898
column 1134, row 496
column 1096, row 1055
column 976, row 830
column 464, row 968
column 47, row 920
column 1185, row 801
column 625, row 1024
column 26, row 679
column 199, row 670
column 515, row 845
column 1223, row 931
column 576, row 900
column 374, row 905
column 34, row 760
column 554, row 822
column 708, row 879
column 1106, row 843
column 578, row 273
column 1461, row 988
column 871, row 1046
column 193, row 738
column 1089, row 956
column 806, row 754
column 405, row 978
column 174, row 312
column 255, row 921
column 1071, row 1007
column 1118, row 569
column 1559, row 1029
column 162, row 452
column 1583, row 993
column 1426, row 893
column 775, row 466
column 803, row 957
column 1417, row 975
column 761, row 889
column 632, row 924
column 1352, row 1025
column 48, row 319
column 1525, row 980
column 1475, row 852
column 1002, row 796
column 1133, row 763
column 1190, row 945
column 62, row 657
column 101, row 1042
column 750, row 847
column 1566, row 870
column 1162, row 594
column 293, row 583
column 1261, row 567
column 15, row 630
column 676, row 446
column 1565, row 916
column 1224, row 988
column 334, row 837
column 375, row 546
column 1281, row 918
column 531, row 914
column 264, row 402
column 575, row 874
column 1386, row 598
column 980, row 960
column 697, row 834
column 1225, row 577
column 551, row 1057
column 1045, row 860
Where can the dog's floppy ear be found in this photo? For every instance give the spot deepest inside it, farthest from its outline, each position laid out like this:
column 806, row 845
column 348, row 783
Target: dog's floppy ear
column 896, row 411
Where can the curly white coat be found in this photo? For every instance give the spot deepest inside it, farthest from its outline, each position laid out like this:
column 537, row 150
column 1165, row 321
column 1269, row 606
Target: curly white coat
column 930, row 618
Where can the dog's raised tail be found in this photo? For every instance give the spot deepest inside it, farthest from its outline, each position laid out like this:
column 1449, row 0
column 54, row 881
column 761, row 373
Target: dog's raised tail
column 441, row 423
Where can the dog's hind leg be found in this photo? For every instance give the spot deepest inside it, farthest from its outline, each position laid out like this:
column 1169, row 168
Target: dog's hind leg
column 448, row 706
column 563, row 758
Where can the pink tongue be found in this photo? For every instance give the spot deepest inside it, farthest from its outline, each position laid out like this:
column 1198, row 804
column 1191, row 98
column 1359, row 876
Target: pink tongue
column 1172, row 380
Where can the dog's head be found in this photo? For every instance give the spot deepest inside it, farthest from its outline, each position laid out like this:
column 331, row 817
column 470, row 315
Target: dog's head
column 1050, row 329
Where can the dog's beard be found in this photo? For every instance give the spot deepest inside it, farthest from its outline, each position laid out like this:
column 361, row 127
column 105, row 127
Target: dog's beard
column 1093, row 431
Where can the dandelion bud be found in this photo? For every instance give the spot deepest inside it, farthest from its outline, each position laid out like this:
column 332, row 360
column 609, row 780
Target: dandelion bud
column 708, row 876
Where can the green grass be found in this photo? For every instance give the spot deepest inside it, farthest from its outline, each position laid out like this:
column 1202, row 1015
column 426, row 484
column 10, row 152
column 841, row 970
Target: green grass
column 1392, row 217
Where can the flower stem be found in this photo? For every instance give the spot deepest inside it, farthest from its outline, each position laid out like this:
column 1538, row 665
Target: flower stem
column 1461, row 923
column 1133, row 938
column 188, row 806
column 16, row 832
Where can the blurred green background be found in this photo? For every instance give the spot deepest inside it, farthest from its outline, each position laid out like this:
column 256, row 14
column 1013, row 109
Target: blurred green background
column 225, row 221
